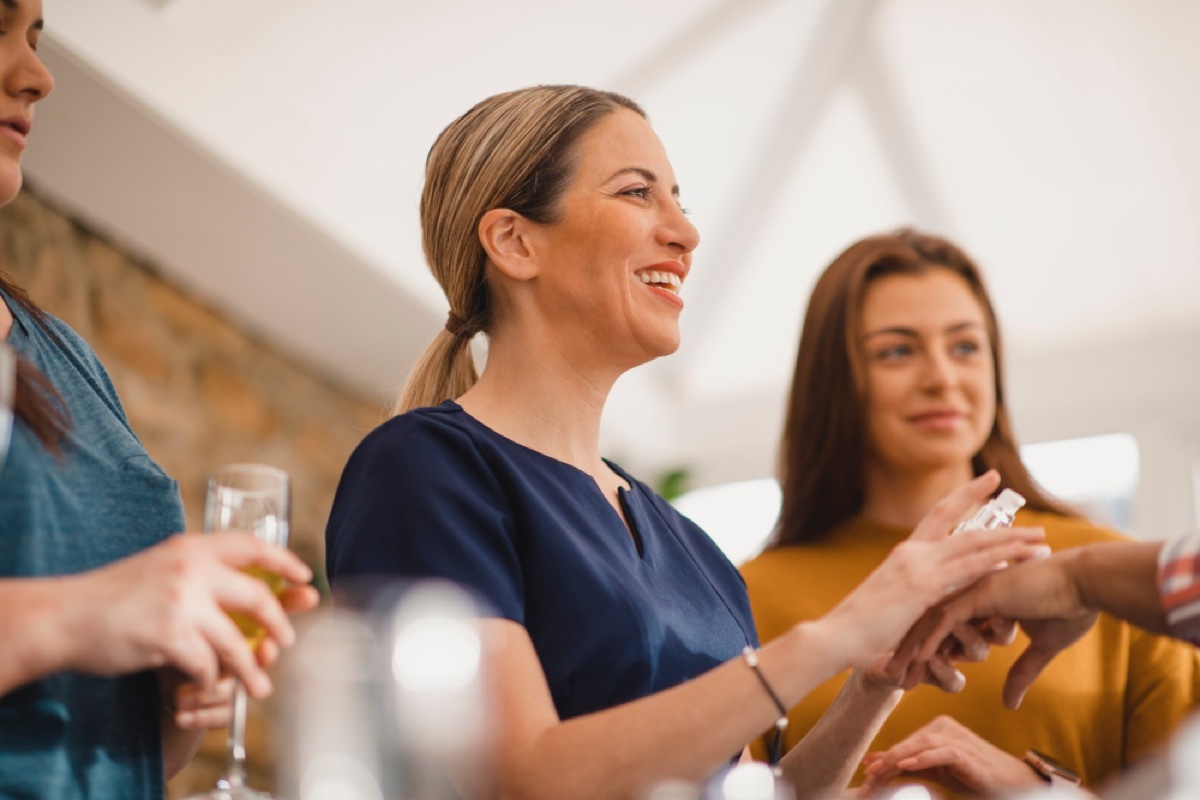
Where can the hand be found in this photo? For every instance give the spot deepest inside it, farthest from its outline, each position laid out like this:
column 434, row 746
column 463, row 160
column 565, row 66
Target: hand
column 1039, row 594
column 939, row 670
column 923, row 569
column 167, row 606
column 191, row 707
column 952, row 756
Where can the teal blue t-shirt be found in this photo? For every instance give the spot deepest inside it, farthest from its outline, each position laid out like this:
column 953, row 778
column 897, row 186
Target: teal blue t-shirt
column 71, row 736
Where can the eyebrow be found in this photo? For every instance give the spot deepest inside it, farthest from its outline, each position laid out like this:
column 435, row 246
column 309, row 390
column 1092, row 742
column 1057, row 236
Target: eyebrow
column 14, row 5
column 900, row 330
column 645, row 173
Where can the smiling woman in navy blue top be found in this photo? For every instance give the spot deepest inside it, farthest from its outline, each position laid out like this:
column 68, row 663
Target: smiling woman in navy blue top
column 551, row 219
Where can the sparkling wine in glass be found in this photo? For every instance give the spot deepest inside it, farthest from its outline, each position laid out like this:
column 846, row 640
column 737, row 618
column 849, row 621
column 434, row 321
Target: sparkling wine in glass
column 256, row 500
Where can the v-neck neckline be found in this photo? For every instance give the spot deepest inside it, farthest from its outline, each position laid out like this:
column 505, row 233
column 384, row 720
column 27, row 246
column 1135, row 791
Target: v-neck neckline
column 626, row 519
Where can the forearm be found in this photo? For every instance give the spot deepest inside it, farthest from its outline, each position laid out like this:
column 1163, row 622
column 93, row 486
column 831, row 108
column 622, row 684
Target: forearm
column 34, row 629
column 1121, row 579
column 824, row 761
column 687, row 732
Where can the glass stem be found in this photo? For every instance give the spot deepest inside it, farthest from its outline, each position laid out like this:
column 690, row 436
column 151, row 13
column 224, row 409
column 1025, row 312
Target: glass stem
column 235, row 756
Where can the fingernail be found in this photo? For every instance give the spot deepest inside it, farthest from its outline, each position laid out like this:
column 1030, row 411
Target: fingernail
column 1041, row 551
column 185, row 719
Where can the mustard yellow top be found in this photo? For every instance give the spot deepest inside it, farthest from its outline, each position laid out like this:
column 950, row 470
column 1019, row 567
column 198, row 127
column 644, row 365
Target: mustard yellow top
column 1101, row 704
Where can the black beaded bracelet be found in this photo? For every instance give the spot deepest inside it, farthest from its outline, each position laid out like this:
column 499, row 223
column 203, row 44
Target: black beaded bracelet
column 750, row 656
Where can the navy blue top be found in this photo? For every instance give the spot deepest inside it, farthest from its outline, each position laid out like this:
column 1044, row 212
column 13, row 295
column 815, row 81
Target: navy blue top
column 73, row 736
column 435, row 493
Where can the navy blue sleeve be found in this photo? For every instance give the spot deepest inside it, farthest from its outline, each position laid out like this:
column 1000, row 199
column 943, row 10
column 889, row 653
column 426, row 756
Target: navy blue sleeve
column 417, row 500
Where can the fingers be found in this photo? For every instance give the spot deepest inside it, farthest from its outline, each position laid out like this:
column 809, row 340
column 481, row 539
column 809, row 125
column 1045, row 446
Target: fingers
column 247, row 595
column 946, row 677
column 191, row 654
column 230, row 647
column 946, row 513
column 999, row 631
column 1022, row 674
column 240, row 551
column 972, row 646
column 197, row 708
column 298, row 599
column 970, row 556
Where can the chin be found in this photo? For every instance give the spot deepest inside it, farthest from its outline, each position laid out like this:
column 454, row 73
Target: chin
column 10, row 186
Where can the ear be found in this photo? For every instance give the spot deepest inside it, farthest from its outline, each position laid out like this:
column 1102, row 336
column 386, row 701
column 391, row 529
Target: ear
column 505, row 236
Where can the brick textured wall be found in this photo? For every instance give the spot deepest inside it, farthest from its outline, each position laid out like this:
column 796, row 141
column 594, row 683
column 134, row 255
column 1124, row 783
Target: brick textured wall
column 197, row 390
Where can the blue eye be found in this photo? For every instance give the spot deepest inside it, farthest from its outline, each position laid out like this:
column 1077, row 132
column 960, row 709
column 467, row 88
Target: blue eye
column 966, row 348
column 894, row 352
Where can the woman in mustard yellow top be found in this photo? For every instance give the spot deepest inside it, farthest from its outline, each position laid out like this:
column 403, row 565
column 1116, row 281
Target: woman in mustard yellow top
column 897, row 397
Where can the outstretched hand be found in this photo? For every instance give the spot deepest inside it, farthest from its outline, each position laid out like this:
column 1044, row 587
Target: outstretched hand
column 168, row 606
column 1039, row 594
column 923, row 569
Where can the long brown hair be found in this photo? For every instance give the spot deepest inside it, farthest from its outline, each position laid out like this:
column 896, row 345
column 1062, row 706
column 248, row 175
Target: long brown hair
column 824, row 441
column 36, row 402
column 513, row 150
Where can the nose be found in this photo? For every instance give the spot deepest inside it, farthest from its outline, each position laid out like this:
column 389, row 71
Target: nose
column 939, row 372
column 28, row 77
column 677, row 231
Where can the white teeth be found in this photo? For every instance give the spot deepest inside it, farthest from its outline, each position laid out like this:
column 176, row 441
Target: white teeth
column 667, row 280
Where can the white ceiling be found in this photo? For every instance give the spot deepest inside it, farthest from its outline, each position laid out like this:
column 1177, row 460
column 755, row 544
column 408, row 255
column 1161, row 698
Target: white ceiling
column 268, row 154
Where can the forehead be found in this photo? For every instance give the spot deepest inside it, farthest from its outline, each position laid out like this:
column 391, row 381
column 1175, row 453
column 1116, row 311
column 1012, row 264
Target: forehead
column 929, row 300
column 621, row 140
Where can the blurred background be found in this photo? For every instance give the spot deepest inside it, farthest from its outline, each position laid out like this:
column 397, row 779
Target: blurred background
column 222, row 198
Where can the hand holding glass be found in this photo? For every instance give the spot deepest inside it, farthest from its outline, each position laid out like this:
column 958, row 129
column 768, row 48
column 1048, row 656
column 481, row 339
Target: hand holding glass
column 252, row 499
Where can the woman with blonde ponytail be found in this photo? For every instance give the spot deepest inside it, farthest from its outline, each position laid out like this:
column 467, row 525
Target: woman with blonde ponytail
column 551, row 219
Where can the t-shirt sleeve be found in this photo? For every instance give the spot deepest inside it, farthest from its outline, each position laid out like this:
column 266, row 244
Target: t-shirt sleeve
column 1179, row 585
column 417, row 500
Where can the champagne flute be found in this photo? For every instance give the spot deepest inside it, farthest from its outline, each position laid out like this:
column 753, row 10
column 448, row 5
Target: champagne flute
column 252, row 499
column 8, row 387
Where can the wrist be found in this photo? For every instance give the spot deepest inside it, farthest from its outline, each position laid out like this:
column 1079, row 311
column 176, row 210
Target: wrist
column 873, row 685
column 36, row 637
column 821, row 644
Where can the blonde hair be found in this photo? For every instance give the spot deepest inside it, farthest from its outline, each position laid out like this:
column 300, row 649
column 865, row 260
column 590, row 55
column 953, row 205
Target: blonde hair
column 513, row 150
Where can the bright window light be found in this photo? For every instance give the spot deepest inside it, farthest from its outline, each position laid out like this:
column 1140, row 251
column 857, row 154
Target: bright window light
column 1097, row 474
column 738, row 516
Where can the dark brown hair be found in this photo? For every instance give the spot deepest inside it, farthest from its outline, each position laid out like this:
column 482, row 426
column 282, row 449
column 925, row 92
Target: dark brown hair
column 513, row 150
column 36, row 402
column 824, row 436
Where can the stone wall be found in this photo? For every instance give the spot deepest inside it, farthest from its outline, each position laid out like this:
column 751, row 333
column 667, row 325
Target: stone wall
column 197, row 390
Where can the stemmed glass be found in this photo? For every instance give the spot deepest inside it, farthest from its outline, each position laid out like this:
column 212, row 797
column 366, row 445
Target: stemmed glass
column 8, row 385
column 252, row 499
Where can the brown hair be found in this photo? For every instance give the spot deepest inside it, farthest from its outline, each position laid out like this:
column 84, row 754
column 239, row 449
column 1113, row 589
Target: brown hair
column 36, row 402
column 824, row 441
column 513, row 150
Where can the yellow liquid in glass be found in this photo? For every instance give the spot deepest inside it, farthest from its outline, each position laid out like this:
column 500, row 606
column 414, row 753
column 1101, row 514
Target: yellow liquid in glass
column 247, row 624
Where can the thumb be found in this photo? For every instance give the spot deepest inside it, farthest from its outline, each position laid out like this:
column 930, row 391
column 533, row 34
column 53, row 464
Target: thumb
column 1023, row 673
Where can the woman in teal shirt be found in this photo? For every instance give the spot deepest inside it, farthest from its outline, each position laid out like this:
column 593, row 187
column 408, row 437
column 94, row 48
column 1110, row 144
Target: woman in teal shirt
column 105, row 615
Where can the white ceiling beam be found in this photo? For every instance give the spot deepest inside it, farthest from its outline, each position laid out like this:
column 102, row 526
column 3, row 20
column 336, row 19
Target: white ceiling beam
column 837, row 39
column 688, row 43
column 900, row 143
